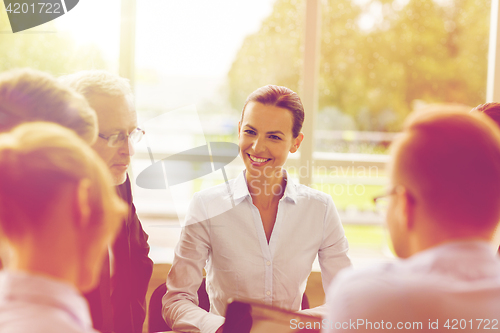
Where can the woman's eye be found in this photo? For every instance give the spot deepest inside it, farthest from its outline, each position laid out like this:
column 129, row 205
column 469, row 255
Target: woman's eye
column 250, row 132
column 275, row 137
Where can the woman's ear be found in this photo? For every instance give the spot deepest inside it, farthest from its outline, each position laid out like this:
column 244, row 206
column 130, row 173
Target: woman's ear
column 82, row 208
column 296, row 142
column 239, row 129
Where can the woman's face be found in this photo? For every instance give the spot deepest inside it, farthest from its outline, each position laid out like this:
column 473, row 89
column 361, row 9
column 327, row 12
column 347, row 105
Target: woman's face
column 265, row 138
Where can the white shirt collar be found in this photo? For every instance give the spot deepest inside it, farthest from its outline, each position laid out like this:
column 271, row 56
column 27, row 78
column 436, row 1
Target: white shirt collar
column 240, row 188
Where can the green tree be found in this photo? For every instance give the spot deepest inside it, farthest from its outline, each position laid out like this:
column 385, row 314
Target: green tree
column 428, row 50
column 270, row 56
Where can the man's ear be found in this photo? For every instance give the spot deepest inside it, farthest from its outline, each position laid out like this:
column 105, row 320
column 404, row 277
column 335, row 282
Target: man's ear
column 296, row 142
column 404, row 208
column 82, row 208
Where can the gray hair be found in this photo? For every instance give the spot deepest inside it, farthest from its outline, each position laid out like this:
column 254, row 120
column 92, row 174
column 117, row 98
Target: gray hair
column 92, row 82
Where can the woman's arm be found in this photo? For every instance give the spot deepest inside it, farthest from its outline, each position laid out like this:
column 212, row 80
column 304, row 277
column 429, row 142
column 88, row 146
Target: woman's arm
column 180, row 303
column 332, row 254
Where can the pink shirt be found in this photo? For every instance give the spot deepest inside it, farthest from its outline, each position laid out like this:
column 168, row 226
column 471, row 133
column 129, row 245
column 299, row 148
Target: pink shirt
column 34, row 303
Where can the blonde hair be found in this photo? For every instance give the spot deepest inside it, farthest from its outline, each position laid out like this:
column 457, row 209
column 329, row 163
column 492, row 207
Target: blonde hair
column 36, row 160
column 30, row 95
column 450, row 161
column 91, row 82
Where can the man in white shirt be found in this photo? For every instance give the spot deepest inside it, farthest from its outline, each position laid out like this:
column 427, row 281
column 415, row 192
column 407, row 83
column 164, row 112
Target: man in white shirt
column 443, row 210
column 58, row 212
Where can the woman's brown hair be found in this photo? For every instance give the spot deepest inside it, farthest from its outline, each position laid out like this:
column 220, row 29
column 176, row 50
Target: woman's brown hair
column 281, row 97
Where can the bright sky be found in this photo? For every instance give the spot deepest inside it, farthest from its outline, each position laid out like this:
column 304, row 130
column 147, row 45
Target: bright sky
column 94, row 21
column 188, row 37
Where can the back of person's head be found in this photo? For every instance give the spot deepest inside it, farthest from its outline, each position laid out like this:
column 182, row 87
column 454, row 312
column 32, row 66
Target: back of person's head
column 29, row 95
column 100, row 82
column 490, row 109
column 56, row 199
column 449, row 161
column 281, row 97
column 36, row 160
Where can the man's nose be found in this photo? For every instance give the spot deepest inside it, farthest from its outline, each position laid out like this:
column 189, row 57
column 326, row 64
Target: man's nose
column 128, row 147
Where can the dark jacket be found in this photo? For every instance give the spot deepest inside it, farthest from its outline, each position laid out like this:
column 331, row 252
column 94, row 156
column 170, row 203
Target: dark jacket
column 118, row 304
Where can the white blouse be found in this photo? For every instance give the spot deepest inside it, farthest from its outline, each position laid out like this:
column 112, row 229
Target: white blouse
column 240, row 263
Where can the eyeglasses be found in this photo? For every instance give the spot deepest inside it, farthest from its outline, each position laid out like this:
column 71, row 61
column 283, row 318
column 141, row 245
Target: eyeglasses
column 382, row 201
column 116, row 140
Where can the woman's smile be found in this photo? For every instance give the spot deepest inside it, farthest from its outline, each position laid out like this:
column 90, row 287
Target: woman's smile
column 258, row 161
column 265, row 138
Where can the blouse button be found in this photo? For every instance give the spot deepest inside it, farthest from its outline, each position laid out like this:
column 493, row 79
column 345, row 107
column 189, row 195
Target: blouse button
column 268, row 263
column 268, row 293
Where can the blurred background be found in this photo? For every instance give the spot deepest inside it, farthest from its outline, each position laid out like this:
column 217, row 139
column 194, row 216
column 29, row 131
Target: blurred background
column 374, row 62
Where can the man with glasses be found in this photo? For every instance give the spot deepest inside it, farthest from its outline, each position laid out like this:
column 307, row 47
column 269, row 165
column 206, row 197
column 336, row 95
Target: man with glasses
column 118, row 304
column 442, row 214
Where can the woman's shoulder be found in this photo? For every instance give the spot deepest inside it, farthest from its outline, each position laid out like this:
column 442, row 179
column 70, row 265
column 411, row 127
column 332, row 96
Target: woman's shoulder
column 308, row 193
column 227, row 188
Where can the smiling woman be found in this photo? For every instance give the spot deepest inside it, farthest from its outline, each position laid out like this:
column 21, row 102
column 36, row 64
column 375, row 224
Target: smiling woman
column 269, row 129
column 265, row 139
column 261, row 249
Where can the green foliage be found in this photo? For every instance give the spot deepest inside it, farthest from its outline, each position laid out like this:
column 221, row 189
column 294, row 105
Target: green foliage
column 45, row 49
column 271, row 56
column 430, row 51
column 369, row 237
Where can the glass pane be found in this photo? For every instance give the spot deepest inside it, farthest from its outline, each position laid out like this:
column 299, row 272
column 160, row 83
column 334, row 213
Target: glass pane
column 380, row 61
